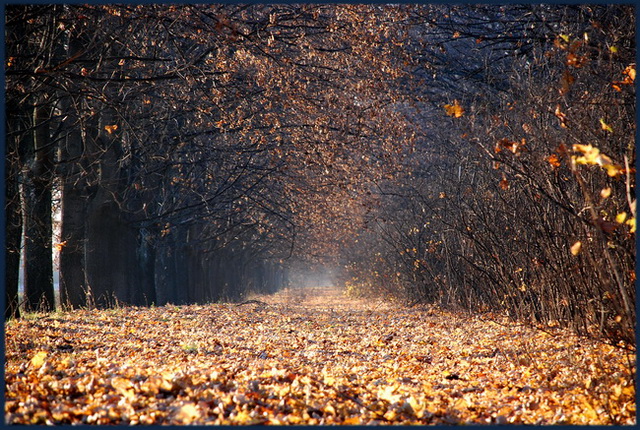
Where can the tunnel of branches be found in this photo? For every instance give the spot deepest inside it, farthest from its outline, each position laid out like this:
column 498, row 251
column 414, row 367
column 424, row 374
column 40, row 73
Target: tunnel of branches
column 478, row 157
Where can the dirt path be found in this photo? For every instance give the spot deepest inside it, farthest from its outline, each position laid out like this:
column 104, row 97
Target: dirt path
column 306, row 357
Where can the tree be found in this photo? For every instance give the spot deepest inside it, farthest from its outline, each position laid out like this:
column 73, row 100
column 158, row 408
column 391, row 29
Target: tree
column 507, row 200
column 231, row 176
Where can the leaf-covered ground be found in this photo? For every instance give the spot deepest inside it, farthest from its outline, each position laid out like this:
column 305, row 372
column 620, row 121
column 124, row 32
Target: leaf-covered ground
column 314, row 358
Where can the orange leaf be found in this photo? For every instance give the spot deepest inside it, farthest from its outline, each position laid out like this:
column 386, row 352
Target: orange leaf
column 553, row 160
column 561, row 116
column 60, row 245
column 454, row 110
column 504, row 184
column 351, row 421
column 111, row 128
column 630, row 71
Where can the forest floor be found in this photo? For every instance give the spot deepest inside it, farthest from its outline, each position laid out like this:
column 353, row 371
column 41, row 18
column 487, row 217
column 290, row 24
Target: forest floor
column 309, row 356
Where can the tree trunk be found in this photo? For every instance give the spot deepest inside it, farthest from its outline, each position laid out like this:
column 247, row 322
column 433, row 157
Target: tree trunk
column 111, row 260
column 164, row 275
column 74, row 208
column 146, row 258
column 72, row 276
column 73, row 160
column 13, row 231
column 118, row 265
column 38, row 275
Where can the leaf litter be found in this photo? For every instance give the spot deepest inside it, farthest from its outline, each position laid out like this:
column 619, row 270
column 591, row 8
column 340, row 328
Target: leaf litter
column 307, row 357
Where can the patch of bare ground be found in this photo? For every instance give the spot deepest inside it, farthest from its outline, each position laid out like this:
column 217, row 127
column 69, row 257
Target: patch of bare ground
column 306, row 356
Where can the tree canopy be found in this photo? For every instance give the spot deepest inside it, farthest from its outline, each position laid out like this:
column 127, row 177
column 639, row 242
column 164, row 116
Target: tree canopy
column 471, row 155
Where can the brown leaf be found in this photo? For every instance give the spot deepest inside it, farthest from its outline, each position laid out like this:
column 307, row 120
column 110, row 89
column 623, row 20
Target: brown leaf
column 504, row 184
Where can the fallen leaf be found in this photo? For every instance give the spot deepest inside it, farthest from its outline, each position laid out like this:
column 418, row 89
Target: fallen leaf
column 38, row 359
column 605, row 126
column 576, row 247
column 454, row 110
column 553, row 160
column 186, row 413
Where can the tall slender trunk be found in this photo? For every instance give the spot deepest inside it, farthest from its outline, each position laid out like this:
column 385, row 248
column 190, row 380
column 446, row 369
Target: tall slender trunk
column 13, row 231
column 73, row 160
column 39, row 293
column 74, row 201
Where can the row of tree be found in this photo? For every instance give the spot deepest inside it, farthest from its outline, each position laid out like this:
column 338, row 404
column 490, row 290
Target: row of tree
column 525, row 201
column 189, row 144
column 479, row 156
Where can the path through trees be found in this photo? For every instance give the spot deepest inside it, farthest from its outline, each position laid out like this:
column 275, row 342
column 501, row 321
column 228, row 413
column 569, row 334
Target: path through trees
column 307, row 356
column 479, row 156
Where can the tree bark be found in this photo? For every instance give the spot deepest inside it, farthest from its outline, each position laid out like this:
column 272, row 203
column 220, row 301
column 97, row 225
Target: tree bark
column 72, row 276
column 13, row 231
column 38, row 276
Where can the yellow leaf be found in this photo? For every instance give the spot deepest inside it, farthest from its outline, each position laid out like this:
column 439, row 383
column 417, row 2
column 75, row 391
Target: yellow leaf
column 621, row 217
column 65, row 363
column 613, row 49
column 564, row 37
column 243, row 417
column 187, row 413
column 123, row 386
column 605, row 193
column 329, row 380
column 605, row 126
column 388, row 393
column 415, row 404
column 38, row 360
column 454, row 110
column 592, row 155
column 632, row 223
column 612, row 169
column 329, row 409
column 575, row 248
column 631, row 72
